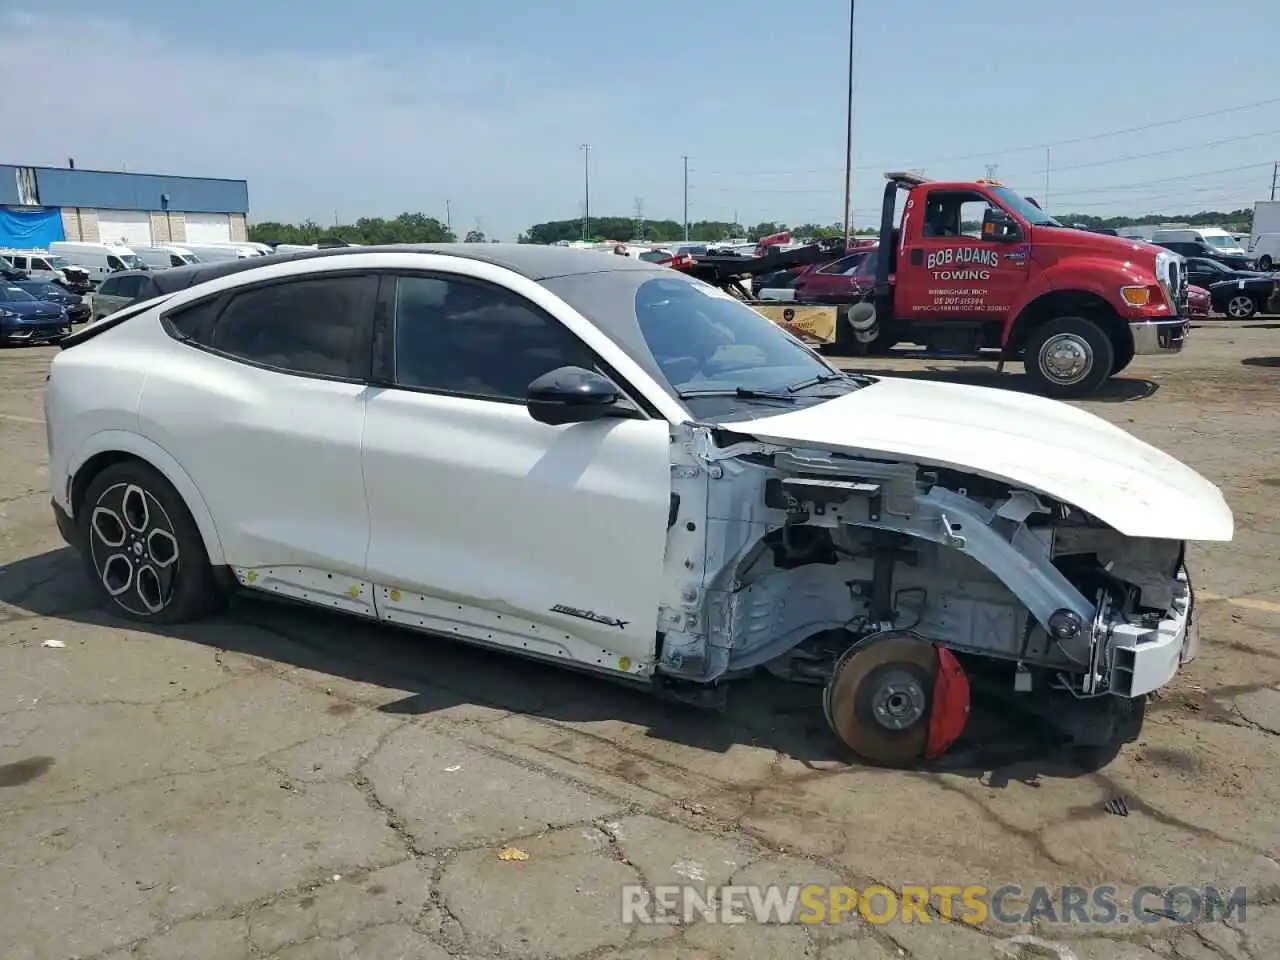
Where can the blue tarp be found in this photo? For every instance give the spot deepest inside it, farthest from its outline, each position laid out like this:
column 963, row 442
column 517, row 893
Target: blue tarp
column 25, row 228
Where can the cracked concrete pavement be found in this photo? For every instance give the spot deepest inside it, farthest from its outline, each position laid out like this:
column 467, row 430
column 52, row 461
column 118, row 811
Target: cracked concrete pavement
column 283, row 783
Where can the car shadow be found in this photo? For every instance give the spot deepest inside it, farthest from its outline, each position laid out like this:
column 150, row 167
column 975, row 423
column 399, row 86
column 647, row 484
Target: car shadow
column 1115, row 390
column 435, row 673
column 1261, row 361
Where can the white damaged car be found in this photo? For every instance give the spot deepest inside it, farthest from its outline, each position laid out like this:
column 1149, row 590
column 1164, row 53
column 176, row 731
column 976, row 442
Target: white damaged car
column 605, row 464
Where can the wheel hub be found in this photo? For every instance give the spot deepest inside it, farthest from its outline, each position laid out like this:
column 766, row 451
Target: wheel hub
column 1240, row 306
column 877, row 701
column 899, row 702
column 134, row 548
column 1066, row 358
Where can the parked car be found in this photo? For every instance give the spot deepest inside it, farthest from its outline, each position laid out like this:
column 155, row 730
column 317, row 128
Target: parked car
column 1241, row 298
column 116, row 291
column 842, row 281
column 43, row 265
column 1265, row 248
column 1207, row 243
column 100, row 260
column 1198, row 302
column 25, row 321
column 164, row 256
column 75, row 304
column 657, row 485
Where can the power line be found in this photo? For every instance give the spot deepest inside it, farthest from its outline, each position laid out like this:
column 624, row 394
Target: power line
column 1120, row 186
column 1011, row 150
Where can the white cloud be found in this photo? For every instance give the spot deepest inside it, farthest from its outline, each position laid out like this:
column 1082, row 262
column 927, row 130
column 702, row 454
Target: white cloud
column 311, row 134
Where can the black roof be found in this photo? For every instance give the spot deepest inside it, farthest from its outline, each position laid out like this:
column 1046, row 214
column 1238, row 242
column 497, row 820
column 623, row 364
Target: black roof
column 535, row 261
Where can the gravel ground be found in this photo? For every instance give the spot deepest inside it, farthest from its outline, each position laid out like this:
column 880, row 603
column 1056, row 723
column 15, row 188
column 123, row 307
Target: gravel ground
column 283, row 783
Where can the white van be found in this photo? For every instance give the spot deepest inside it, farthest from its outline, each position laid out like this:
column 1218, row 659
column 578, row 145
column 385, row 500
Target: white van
column 1215, row 238
column 209, row 252
column 165, row 255
column 99, row 259
column 1265, row 248
column 39, row 264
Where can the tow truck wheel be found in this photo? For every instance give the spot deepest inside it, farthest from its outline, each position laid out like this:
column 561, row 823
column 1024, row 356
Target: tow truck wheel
column 1068, row 357
column 895, row 699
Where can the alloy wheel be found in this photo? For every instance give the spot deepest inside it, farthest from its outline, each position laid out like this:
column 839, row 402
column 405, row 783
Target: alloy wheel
column 134, row 549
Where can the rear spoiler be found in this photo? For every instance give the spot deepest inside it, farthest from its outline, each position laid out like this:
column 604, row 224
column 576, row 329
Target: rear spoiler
column 95, row 327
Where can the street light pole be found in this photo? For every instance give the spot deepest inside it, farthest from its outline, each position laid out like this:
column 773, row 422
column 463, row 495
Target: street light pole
column 848, row 140
column 686, row 199
column 586, row 190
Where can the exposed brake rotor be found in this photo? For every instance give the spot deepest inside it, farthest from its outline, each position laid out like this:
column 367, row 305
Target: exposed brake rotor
column 880, row 700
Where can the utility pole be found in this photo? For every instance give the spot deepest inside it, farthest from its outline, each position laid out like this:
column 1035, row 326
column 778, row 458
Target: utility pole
column 1275, row 169
column 586, row 190
column 686, row 199
column 638, row 228
column 991, row 170
column 848, row 139
column 448, row 215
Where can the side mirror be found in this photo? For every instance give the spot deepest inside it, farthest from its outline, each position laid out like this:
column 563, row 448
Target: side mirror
column 574, row 395
column 999, row 227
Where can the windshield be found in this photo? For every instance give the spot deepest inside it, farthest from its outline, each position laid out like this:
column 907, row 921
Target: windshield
column 133, row 261
column 14, row 295
column 700, row 344
column 188, row 258
column 58, row 263
column 43, row 289
column 1024, row 208
column 1221, row 240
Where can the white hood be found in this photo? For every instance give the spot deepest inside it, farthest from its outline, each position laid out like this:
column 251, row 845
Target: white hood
column 1042, row 445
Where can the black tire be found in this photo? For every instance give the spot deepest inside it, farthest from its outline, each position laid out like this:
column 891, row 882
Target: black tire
column 1241, row 306
column 1072, row 338
column 130, row 520
column 1123, row 357
column 1265, row 262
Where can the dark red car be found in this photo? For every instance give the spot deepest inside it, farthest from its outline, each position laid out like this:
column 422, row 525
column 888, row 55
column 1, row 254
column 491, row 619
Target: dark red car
column 841, row 281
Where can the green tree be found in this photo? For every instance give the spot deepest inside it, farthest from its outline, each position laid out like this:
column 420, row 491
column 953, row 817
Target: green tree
column 406, row 228
column 474, row 236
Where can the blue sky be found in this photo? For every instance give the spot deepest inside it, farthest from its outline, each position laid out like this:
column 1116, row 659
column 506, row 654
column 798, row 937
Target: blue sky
column 381, row 106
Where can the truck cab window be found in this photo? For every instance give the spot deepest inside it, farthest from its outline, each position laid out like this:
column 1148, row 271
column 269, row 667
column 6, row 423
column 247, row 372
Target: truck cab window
column 955, row 214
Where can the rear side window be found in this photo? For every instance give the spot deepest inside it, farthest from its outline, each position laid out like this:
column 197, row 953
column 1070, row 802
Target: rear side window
column 110, row 287
column 316, row 327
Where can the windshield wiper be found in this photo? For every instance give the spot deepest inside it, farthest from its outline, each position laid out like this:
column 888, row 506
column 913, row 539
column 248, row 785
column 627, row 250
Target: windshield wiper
column 814, row 381
column 742, row 393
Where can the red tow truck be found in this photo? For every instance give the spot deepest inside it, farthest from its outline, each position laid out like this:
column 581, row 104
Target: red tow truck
column 976, row 271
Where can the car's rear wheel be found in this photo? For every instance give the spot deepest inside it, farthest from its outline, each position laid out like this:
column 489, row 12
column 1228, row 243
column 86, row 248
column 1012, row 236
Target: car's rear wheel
column 1068, row 357
column 143, row 550
column 1242, row 306
column 1265, row 262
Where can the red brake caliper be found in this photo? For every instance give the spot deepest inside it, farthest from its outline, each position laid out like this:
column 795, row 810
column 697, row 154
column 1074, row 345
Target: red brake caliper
column 950, row 708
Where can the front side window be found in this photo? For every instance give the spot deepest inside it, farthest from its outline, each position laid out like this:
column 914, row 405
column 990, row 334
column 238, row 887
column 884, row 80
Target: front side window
column 114, row 262
column 459, row 336
column 315, row 326
column 110, row 287
column 40, row 265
